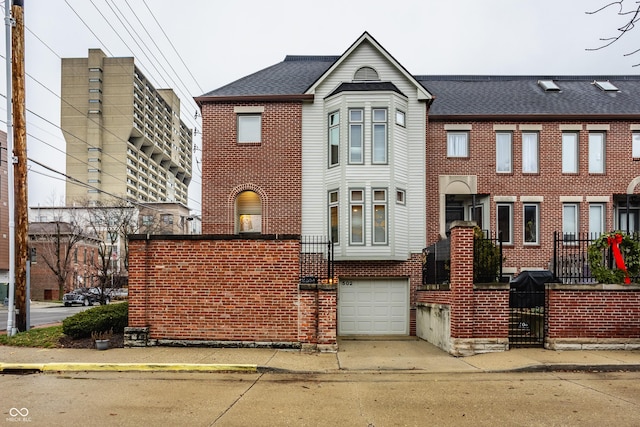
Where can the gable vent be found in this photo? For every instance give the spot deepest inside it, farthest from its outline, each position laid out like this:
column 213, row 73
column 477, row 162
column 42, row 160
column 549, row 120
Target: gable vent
column 366, row 74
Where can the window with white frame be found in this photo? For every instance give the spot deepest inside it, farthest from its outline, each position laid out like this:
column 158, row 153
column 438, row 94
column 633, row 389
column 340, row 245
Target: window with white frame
column 457, row 144
column 379, row 142
column 379, row 217
column 334, row 138
column 504, row 215
column 596, row 219
column 356, row 217
column 503, row 152
column 635, row 145
column 249, row 128
column 401, row 118
column 570, row 221
column 401, row 196
column 334, row 216
column 531, row 223
column 596, row 152
column 569, row 152
column 356, row 137
column 530, row 152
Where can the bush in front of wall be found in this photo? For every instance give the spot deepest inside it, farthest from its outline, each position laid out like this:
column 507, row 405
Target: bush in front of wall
column 112, row 317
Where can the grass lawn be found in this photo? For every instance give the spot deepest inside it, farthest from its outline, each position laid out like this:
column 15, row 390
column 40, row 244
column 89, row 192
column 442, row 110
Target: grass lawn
column 38, row 337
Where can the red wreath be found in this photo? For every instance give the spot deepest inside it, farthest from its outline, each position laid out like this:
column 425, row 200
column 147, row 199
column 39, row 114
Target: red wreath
column 614, row 242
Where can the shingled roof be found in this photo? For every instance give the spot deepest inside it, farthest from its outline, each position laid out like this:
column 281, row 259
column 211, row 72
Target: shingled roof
column 458, row 96
column 293, row 76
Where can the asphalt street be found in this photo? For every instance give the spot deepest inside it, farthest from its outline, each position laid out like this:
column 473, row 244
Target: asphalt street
column 334, row 399
column 43, row 313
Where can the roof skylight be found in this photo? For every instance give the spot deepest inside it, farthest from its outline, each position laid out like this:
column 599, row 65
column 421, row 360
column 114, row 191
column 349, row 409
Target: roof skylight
column 549, row 85
column 605, row 85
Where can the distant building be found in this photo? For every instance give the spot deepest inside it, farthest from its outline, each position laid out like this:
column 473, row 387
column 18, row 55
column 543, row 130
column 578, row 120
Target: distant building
column 60, row 247
column 123, row 135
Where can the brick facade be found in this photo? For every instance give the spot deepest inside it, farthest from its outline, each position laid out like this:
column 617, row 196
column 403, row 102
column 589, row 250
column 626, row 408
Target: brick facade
column 271, row 168
column 550, row 184
column 81, row 271
column 226, row 289
column 577, row 316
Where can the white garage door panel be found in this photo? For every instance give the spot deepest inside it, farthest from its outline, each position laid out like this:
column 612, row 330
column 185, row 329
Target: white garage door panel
column 373, row 307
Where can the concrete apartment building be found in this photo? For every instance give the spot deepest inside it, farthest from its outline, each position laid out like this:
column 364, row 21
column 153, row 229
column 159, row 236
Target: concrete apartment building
column 123, row 136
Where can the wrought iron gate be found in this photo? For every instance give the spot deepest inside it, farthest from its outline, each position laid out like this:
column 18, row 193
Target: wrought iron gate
column 526, row 318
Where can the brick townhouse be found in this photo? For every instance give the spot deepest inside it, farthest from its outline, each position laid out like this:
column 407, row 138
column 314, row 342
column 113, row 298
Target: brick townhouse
column 380, row 161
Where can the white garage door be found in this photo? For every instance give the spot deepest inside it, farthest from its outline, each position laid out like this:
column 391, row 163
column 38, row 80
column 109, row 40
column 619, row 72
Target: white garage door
column 373, row 307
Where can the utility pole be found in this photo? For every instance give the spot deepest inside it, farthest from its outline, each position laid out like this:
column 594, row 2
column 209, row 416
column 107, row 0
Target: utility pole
column 11, row 313
column 20, row 165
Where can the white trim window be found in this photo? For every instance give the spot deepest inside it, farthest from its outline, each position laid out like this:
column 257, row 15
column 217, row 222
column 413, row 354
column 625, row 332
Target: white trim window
column 356, row 217
column 334, row 216
column 569, row 152
column 596, row 152
column 379, row 132
column 504, row 152
column 530, row 152
column 334, row 138
column 401, row 118
column 635, row 145
column 249, row 128
column 531, row 223
column 380, row 214
column 458, row 144
column 597, row 212
column 570, row 222
column 356, row 136
column 504, row 215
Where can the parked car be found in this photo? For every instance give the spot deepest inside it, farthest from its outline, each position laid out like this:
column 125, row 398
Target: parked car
column 86, row 297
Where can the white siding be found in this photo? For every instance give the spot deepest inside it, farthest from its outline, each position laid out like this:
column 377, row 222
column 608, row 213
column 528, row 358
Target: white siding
column 406, row 225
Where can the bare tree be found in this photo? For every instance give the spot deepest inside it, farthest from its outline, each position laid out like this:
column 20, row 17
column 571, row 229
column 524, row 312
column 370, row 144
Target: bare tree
column 56, row 243
column 111, row 221
column 631, row 15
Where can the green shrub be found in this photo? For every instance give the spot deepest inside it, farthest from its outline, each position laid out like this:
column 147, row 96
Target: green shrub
column 99, row 319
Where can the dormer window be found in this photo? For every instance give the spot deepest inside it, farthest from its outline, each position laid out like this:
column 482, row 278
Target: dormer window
column 366, row 74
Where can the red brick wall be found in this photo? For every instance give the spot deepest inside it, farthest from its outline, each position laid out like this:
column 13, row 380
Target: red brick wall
column 462, row 282
column 491, row 314
column 272, row 168
column 594, row 314
column 223, row 288
column 550, row 183
column 44, row 284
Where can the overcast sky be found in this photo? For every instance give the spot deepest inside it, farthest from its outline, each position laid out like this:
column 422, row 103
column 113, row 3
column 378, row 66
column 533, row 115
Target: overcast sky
column 221, row 41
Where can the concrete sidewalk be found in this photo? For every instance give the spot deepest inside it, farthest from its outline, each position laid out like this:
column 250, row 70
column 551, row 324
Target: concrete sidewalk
column 353, row 356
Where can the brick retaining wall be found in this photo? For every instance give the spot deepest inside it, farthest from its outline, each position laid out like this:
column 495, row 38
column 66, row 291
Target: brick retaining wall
column 195, row 289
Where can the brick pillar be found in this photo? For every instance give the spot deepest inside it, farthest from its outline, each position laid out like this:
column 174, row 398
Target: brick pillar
column 461, row 279
column 327, row 318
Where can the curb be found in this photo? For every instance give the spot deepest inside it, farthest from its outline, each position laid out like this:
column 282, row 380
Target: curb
column 124, row 367
column 571, row 368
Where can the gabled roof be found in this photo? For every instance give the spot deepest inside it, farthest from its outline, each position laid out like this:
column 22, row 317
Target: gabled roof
column 491, row 96
column 297, row 77
column 293, row 76
column 366, row 38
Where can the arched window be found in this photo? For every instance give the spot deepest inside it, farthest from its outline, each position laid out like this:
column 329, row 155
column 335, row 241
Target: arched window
column 248, row 213
column 366, row 73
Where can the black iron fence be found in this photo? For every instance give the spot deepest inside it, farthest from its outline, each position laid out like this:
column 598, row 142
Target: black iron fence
column 487, row 260
column 316, row 260
column 571, row 259
column 435, row 263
